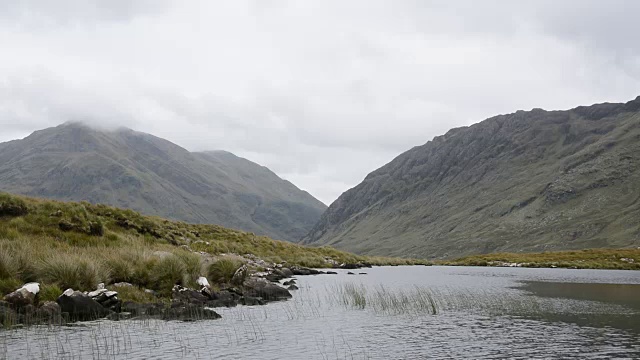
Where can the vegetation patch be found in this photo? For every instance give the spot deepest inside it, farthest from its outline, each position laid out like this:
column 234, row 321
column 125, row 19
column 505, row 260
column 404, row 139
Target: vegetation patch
column 619, row 259
column 78, row 245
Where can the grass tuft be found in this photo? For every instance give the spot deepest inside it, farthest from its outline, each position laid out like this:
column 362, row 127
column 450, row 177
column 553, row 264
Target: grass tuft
column 222, row 270
column 49, row 293
column 72, row 272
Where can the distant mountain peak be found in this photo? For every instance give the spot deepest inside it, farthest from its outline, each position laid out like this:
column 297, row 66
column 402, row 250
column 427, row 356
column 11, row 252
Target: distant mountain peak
column 127, row 168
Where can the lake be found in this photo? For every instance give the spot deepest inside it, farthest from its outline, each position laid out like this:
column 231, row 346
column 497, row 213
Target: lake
column 389, row 313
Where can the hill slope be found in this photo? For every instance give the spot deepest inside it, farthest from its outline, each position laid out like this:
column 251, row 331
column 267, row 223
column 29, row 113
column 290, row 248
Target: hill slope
column 529, row 181
column 142, row 172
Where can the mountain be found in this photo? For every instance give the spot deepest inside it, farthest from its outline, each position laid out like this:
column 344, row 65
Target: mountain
column 142, row 172
column 524, row 182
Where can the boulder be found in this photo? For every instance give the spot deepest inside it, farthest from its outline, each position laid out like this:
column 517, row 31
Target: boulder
column 49, row 312
column 138, row 309
column 290, row 282
column 286, row 272
column 332, row 273
column 268, row 291
column 274, row 277
column 188, row 296
column 8, row 316
column 202, row 281
column 350, row 273
column 80, row 306
column 305, row 271
column 292, row 287
column 251, row 301
column 349, row 266
column 23, row 296
column 223, row 298
column 189, row 312
column 108, row 299
column 240, row 275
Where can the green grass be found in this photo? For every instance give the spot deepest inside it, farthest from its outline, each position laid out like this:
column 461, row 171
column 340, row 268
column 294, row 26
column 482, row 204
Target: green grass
column 134, row 293
column 622, row 259
column 49, row 292
column 78, row 245
column 222, row 270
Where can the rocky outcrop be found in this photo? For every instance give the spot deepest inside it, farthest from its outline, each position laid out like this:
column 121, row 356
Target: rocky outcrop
column 80, row 306
column 108, row 299
column 266, row 290
column 524, row 182
column 23, row 296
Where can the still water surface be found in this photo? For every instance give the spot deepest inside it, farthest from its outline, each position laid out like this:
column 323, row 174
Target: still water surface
column 514, row 313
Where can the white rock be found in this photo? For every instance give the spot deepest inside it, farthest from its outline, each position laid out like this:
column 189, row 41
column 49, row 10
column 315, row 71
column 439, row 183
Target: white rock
column 97, row 292
column 32, row 287
column 202, row 281
column 68, row 292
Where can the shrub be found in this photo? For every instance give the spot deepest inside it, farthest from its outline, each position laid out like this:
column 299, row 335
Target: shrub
column 8, row 265
column 49, row 293
column 9, row 285
column 192, row 266
column 96, row 228
column 72, row 272
column 12, row 206
column 223, row 269
column 167, row 272
column 120, row 268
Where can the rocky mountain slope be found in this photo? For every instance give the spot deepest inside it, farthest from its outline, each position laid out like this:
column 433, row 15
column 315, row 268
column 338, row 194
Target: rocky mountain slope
column 145, row 173
column 529, row 181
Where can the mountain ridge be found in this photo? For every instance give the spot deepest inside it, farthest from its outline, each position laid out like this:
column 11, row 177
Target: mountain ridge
column 480, row 188
column 127, row 168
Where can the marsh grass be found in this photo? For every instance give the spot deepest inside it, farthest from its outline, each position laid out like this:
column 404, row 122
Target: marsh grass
column 383, row 300
column 620, row 259
column 423, row 301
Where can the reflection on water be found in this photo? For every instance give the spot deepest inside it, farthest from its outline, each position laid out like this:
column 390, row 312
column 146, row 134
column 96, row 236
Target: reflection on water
column 626, row 296
column 481, row 313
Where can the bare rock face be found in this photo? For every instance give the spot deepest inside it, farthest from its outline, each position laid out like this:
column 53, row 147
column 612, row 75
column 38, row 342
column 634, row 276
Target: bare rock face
column 528, row 181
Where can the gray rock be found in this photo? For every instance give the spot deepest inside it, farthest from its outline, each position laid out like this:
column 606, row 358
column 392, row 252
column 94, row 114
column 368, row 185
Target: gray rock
column 189, row 296
column 189, row 312
column 21, row 297
column 138, row 309
column 251, row 301
column 49, row 312
column 268, row 291
column 80, row 306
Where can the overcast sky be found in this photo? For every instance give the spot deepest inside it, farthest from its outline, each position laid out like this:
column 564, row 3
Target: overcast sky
column 321, row 92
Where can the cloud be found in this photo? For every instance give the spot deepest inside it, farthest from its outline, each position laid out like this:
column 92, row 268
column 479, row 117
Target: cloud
column 321, row 92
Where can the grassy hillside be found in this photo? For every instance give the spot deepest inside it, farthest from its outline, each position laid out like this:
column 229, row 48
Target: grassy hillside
column 622, row 259
column 78, row 245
